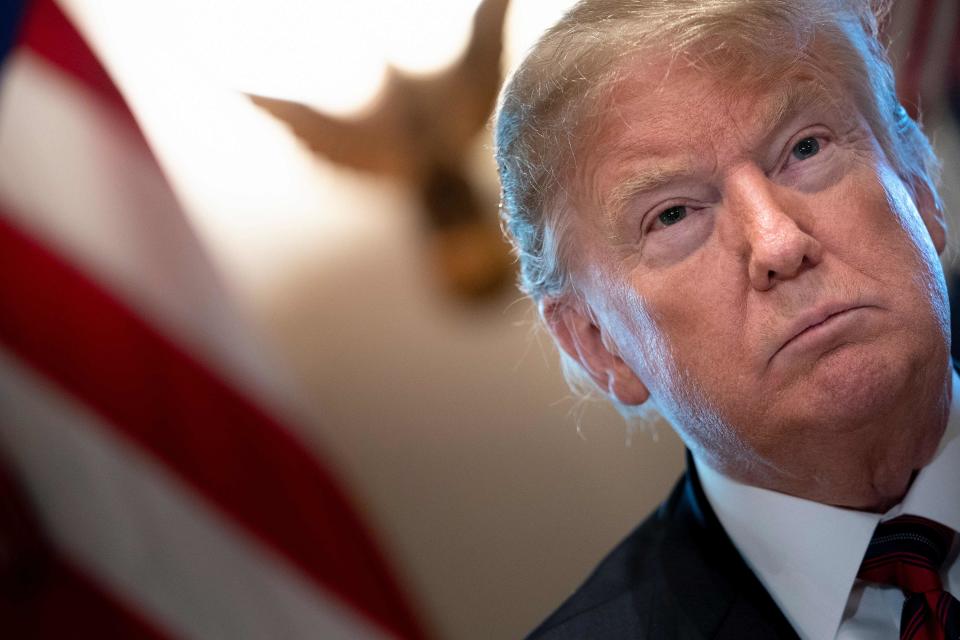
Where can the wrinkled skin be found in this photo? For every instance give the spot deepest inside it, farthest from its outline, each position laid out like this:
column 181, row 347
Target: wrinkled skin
column 749, row 259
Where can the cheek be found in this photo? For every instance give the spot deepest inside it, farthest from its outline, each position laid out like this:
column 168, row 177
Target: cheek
column 678, row 324
column 698, row 304
column 677, row 244
column 882, row 236
column 637, row 333
column 870, row 220
column 914, row 252
column 676, row 357
column 900, row 203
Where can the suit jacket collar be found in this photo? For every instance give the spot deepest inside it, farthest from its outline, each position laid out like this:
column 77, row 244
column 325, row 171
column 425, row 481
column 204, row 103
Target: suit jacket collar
column 705, row 576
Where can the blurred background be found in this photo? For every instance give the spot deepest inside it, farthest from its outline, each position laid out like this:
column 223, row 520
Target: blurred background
column 263, row 369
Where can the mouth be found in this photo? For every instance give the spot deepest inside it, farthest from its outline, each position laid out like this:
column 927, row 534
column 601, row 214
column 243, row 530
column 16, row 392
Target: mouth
column 821, row 323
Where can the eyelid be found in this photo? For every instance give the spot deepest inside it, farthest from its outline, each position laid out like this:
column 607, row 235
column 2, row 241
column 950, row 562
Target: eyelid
column 820, row 133
column 653, row 214
column 649, row 219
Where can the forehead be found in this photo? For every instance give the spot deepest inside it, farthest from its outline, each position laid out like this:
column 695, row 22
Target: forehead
column 648, row 104
column 660, row 122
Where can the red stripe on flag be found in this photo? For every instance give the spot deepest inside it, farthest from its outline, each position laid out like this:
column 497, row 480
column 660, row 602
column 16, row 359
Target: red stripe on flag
column 953, row 58
column 155, row 394
column 50, row 34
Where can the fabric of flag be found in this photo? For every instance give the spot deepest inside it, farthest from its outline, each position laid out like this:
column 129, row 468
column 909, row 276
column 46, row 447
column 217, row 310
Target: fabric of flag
column 953, row 69
column 925, row 43
column 150, row 483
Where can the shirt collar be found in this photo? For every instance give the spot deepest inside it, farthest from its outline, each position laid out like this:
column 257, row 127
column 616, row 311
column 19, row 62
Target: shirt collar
column 806, row 553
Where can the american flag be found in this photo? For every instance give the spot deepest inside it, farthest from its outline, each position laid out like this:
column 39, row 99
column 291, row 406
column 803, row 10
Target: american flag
column 925, row 47
column 151, row 485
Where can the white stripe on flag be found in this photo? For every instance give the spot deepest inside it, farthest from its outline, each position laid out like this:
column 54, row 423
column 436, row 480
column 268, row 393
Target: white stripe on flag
column 137, row 529
column 85, row 184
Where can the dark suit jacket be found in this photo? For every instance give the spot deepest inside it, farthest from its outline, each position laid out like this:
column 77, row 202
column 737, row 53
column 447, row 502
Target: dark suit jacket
column 677, row 575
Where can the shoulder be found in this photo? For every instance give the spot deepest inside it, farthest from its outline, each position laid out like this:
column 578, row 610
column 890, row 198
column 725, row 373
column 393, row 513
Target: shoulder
column 616, row 599
column 677, row 576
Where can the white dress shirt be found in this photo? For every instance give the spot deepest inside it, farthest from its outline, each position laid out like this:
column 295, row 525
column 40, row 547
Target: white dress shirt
column 807, row 554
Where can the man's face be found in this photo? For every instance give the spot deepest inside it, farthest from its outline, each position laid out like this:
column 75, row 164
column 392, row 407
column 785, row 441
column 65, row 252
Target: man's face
column 757, row 265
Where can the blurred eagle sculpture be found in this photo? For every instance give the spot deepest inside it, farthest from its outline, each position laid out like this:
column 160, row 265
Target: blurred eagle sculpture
column 419, row 131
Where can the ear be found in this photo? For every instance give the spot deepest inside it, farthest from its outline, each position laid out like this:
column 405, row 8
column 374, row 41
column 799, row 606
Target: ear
column 580, row 337
column 931, row 211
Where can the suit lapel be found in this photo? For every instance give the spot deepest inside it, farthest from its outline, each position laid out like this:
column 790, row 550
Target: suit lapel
column 705, row 576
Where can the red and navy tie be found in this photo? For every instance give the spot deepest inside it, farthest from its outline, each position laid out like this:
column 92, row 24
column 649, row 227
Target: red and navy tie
column 907, row 552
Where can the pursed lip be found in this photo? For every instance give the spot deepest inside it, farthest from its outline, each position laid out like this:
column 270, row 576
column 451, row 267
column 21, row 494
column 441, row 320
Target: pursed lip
column 813, row 318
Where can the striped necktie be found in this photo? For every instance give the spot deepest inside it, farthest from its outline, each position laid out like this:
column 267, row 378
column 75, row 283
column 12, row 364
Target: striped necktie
column 907, row 552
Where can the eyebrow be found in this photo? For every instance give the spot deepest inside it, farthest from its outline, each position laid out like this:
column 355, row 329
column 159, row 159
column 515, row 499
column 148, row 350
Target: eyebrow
column 784, row 107
column 787, row 104
column 640, row 182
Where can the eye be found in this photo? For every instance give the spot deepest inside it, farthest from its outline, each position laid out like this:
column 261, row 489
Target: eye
column 806, row 148
column 673, row 215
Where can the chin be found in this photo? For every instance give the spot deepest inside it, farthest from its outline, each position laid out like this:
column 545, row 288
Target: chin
column 859, row 383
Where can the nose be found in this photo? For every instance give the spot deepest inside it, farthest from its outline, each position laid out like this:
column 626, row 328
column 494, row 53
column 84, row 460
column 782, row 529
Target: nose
column 777, row 248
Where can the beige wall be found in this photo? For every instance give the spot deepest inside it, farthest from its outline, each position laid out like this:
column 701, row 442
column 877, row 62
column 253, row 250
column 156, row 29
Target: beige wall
column 456, row 432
